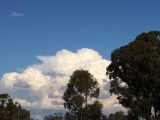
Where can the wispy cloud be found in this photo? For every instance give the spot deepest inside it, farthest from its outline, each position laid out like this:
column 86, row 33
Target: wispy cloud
column 17, row 14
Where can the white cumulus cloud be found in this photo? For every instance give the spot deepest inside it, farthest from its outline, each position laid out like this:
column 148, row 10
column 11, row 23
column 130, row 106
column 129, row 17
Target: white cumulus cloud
column 42, row 85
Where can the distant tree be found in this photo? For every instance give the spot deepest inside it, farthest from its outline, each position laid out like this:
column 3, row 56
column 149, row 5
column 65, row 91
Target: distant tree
column 55, row 116
column 71, row 116
column 82, row 87
column 10, row 111
column 135, row 75
column 117, row 116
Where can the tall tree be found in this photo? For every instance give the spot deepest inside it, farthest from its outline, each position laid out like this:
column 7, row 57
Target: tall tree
column 135, row 74
column 82, row 87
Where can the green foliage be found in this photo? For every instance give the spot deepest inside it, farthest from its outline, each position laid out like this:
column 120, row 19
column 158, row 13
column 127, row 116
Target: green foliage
column 135, row 74
column 82, row 87
column 10, row 111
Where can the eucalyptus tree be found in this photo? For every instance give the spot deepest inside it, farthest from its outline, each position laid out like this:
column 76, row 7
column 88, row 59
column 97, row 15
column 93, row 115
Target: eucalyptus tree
column 82, row 87
column 135, row 75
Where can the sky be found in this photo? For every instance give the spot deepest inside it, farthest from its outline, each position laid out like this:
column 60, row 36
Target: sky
column 42, row 27
column 37, row 34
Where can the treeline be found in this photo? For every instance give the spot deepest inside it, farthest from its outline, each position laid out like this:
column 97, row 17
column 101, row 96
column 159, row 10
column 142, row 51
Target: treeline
column 113, row 116
column 10, row 110
column 134, row 75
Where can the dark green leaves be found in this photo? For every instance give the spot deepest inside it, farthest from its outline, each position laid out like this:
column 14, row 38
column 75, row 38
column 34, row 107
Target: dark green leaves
column 82, row 87
column 138, row 66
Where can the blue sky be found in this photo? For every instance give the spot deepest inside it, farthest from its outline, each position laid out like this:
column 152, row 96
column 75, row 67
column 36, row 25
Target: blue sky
column 42, row 27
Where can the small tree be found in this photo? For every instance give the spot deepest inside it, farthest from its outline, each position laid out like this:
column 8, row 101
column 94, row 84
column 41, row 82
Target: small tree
column 82, row 87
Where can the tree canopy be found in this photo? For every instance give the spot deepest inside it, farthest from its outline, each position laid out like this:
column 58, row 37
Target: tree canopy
column 82, row 87
column 135, row 74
